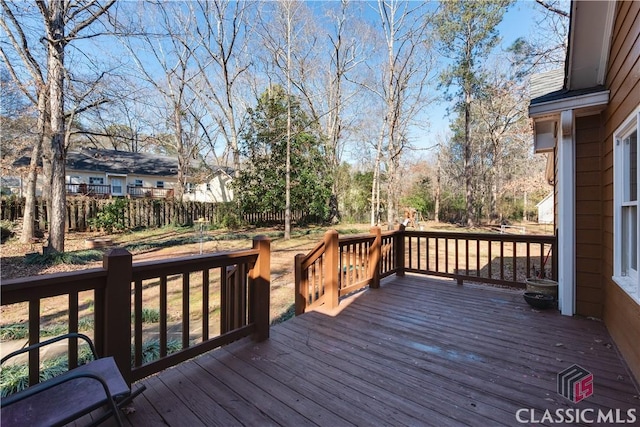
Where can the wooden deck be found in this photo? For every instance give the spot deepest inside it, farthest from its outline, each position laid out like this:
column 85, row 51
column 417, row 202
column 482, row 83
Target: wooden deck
column 417, row 351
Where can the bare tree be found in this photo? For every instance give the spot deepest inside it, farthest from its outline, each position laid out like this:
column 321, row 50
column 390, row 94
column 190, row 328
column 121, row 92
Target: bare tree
column 280, row 37
column 404, row 83
column 330, row 91
column 62, row 23
column 502, row 126
column 166, row 63
column 546, row 48
column 33, row 85
column 224, row 58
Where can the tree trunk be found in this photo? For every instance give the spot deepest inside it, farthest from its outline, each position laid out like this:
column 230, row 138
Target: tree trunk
column 57, row 209
column 375, row 185
column 28, row 225
column 468, row 175
column 436, row 208
column 287, row 212
column 182, row 158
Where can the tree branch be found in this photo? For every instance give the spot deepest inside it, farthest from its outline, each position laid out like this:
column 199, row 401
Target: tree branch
column 551, row 8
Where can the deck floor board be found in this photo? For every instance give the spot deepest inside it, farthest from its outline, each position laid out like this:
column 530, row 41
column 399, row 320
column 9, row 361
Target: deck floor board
column 417, row 351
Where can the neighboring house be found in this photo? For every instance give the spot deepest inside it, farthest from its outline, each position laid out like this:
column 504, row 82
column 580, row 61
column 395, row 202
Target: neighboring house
column 215, row 188
column 590, row 126
column 111, row 173
column 545, row 210
column 10, row 185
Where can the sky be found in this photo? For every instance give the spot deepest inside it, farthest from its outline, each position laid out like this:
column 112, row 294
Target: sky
column 519, row 21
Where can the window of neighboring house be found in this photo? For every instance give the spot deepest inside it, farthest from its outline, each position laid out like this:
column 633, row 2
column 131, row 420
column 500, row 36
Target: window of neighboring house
column 73, row 184
column 189, row 187
column 116, row 186
column 137, row 183
column 208, row 187
column 159, row 184
column 96, row 180
column 626, row 213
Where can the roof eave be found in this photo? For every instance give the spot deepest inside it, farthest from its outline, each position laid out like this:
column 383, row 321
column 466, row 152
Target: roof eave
column 596, row 101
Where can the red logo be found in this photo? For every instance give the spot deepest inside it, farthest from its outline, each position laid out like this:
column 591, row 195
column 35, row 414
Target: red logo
column 575, row 383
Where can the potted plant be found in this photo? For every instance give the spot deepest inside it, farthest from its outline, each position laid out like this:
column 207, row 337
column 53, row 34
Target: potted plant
column 539, row 282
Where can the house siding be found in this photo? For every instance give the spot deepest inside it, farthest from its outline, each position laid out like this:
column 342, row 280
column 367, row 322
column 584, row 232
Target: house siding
column 621, row 314
column 589, row 288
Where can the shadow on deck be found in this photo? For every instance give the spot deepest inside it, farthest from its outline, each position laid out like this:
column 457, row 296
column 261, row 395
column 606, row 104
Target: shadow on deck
column 417, row 351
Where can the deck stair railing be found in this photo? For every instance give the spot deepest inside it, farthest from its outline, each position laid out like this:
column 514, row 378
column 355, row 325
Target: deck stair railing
column 203, row 302
column 338, row 265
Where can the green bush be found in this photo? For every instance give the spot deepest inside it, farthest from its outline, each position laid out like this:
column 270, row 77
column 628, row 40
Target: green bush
column 151, row 350
column 111, row 216
column 18, row 331
column 231, row 221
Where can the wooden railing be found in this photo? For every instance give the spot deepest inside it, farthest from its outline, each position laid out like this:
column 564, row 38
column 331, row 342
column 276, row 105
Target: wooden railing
column 207, row 301
column 338, row 266
column 154, row 193
column 104, row 190
column 95, row 190
column 500, row 259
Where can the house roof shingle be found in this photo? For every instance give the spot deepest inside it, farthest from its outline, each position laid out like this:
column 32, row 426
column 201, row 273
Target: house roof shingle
column 122, row 162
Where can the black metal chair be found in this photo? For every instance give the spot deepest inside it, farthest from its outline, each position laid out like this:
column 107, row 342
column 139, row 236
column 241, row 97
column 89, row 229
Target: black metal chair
column 71, row 395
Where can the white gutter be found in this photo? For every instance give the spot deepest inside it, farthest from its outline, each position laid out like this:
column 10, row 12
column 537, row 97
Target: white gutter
column 596, row 99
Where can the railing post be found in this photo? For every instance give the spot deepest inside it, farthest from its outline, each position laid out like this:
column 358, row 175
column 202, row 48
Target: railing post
column 301, row 286
column 400, row 250
column 260, row 282
column 375, row 256
column 117, row 309
column 331, row 281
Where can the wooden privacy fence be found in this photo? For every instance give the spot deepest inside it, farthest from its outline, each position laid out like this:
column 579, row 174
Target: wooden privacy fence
column 203, row 302
column 338, row 266
column 81, row 211
column 141, row 212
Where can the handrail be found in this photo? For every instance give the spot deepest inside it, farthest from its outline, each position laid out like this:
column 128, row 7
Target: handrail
column 118, row 288
column 315, row 253
column 501, row 259
column 363, row 260
column 336, row 267
column 312, row 288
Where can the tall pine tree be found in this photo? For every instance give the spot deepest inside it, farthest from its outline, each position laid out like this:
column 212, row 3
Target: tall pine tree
column 468, row 31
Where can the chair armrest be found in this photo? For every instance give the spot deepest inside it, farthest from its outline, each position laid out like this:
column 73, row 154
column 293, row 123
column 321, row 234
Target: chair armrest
column 51, row 341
